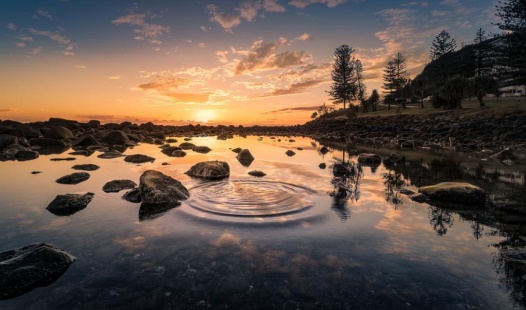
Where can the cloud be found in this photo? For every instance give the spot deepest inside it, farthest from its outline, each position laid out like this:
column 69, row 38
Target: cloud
column 304, row 3
column 36, row 50
column 42, row 13
column 295, row 88
column 26, row 38
column 221, row 56
column 202, row 45
column 11, row 26
column 417, row 3
column 288, row 110
column 114, row 77
column 189, row 97
column 261, row 56
column 142, row 28
column 57, row 37
column 164, row 82
column 205, row 29
column 247, row 11
column 81, row 67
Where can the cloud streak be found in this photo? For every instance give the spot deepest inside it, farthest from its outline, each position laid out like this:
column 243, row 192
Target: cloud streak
column 58, row 38
column 247, row 11
column 143, row 29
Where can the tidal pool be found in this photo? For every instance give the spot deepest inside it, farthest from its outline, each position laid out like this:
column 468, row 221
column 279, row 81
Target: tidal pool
column 300, row 237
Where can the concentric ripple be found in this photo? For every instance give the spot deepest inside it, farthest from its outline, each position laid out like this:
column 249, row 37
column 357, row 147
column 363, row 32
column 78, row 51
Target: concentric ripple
column 249, row 198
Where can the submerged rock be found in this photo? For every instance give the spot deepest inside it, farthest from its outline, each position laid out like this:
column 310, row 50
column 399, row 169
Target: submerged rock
column 169, row 150
column 32, row 266
column 179, row 153
column 86, row 167
column 458, row 193
column 237, row 150
column 133, row 196
column 110, row 155
column 418, row 197
column 26, row 155
column 64, row 205
column 245, row 158
column 150, row 211
column 74, row 178
column 156, row 187
column 257, row 173
column 138, row 159
column 201, row 149
column 369, row 159
column 322, row 165
column 186, row 146
column 324, row 150
column 63, row 159
column 290, row 153
column 118, row 185
column 213, row 170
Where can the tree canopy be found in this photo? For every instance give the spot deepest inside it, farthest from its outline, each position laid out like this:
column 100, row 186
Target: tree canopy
column 344, row 87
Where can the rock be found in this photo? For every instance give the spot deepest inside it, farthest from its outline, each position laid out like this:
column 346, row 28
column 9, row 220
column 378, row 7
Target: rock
column 257, row 173
column 118, row 185
column 6, row 140
column 26, row 155
column 81, row 152
column 171, row 140
column 59, row 132
column 47, row 142
column 457, row 193
column 245, row 157
column 133, row 196
column 394, row 158
column 322, row 166
column 12, row 149
column 85, row 141
column 179, row 153
column 150, row 211
column 201, row 149
column 36, row 172
column 186, row 146
column 35, row 265
column 290, row 153
column 116, row 137
column 25, row 131
column 138, row 158
column 369, row 159
column 110, row 155
column 65, row 205
column 418, row 197
column 213, row 170
column 237, row 150
column 324, row 150
column 156, row 187
column 74, row 178
column 169, row 150
column 165, row 163
column 63, row 159
column 86, row 167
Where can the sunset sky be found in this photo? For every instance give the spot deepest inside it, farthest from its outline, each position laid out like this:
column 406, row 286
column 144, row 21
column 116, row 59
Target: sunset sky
column 263, row 62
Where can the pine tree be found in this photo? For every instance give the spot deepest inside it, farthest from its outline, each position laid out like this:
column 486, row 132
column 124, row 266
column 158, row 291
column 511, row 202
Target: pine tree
column 401, row 75
column 389, row 76
column 343, row 88
column 482, row 54
column 360, row 94
column 442, row 45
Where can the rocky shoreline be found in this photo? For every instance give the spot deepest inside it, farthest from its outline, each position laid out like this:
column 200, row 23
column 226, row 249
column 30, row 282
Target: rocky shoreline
column 487, row 130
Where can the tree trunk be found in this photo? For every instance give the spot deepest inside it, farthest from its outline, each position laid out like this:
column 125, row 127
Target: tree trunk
column 481, row 101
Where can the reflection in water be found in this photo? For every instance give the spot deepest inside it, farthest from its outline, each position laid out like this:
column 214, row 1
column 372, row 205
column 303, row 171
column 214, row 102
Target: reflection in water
column 393, row 181
column 440, row 219
column 346, row 181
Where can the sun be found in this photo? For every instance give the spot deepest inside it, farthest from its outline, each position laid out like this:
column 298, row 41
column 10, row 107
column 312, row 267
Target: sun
column 204, row 116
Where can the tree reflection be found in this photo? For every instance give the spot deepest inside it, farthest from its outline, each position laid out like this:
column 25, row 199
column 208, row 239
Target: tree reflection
column 440, row 219
column 393, row 181
column 346, row 181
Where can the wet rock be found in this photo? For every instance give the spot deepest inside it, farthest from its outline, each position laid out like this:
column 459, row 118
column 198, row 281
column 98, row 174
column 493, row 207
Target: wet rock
column 455, row 193
column 169, row 150
column 47, row 142
column 165, row 163
column 290, row 153
column 25, row 131
column 322, row 165
column 81, row 152
column 26, row 155
column 65, row 205
column 418, row 197
column 133, row 196
column 6, row 140
column 201, row 149
column 85, row 141
column 118, row 185
column 369, row 159
column 138, row 158
column 74, row 178
column 32, row 266
column 171, row 140
column 245, row 158
column 12, row 149
column 116, row 137
column 186, row 146
column 213, row 170
column 324, row 150
column 36, row 172
column 59, row 132
column 150, row 211
column 156, row 187
column 237, row 150
column 86, row 167
column 257, row 173
column 110, row 155
column 179, row 153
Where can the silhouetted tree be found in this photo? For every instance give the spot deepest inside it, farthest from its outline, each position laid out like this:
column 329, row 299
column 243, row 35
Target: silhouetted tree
column 454, row 90
column 373, row 100
column 442, row 45
column 389, row 76
column 482, row 54
column 481, row 86
column 343, row 88
column 360, row 95
column 513, row 50
column 401, row 76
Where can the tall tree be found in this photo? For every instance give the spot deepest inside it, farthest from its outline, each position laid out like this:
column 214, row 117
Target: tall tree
column 389, row 76
column 513, row 16
column 482, row 54
column 442, row 45
column 401, row 75
column 343, row 88
column 360, row 94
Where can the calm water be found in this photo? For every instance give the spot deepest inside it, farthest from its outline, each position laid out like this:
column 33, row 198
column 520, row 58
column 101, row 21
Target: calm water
column 284, row 241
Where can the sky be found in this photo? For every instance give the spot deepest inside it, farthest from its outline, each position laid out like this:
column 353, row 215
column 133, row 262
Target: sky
column 231, row 62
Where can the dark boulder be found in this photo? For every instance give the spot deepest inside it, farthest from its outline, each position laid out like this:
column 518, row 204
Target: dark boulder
column 212, row 170
column 179, row 153
column 245, row 158
column 290, row 153
column 150, row 211
column 65, row 205
column 237, row 150
column 86, row 167
column 85, row 141
column 156, row 187
column 59, row 132
column 455, row 194
column 6, row 140
column 118, row 185
column 201, row 149
column 74, row 178
column 169, row 150
column 116, row 137
column 138, row 158
column 257, row 173
column 186, row 146
column 133, row 196
column 35, row 265
column 369, row 159
column 110, row 155
column 48, row 143
column 26, row 155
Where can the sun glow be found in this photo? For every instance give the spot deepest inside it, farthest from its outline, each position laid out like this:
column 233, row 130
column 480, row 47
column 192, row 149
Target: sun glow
column 204, row 116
